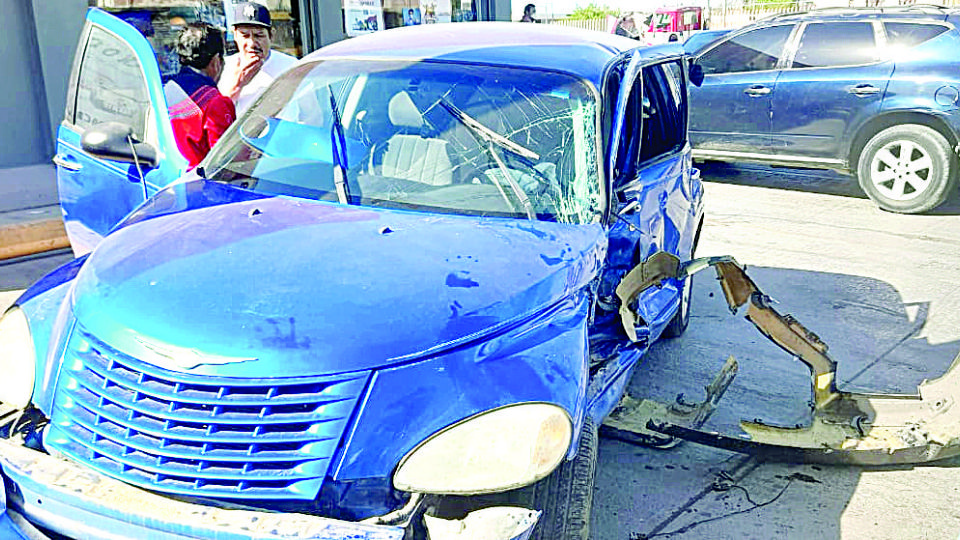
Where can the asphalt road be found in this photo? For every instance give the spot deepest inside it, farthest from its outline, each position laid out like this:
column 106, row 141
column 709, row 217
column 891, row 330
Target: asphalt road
column 880, row 289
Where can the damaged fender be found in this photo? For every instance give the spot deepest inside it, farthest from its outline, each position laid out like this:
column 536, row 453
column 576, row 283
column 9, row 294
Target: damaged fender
column 846, row 427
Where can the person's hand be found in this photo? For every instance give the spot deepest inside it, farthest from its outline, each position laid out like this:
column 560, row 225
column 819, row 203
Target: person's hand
column 237, row 76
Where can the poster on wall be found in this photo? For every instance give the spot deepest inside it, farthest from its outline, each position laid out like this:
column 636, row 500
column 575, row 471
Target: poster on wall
column 435, row 11
column 362, row 16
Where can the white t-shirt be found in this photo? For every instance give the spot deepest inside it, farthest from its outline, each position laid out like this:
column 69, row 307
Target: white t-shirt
column 276, row 64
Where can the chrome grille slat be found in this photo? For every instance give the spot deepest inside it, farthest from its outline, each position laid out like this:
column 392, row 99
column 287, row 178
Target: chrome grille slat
column 201, row 468
column 167, row 410
column 198, row 435
column 265, row 489
column 193, row 393
column 245, row 452
column 196, row 431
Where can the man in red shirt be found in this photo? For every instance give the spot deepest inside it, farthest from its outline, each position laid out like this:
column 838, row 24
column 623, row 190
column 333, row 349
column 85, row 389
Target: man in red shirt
column 199, row 112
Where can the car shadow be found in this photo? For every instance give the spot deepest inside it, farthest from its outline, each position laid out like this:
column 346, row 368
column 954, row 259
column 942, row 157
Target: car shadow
column 807, row 180
column 877, row 341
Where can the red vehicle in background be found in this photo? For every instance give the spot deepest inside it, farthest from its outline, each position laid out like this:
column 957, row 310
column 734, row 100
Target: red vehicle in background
column 674, row 23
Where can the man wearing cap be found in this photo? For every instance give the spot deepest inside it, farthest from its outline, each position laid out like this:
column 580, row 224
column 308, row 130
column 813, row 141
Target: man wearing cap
column 248, row 73
column 198, row 111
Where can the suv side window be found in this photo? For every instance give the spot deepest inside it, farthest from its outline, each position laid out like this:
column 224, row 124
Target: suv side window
column 758, row 50
column 907, row 34
column 836, row 44
column 111, row 86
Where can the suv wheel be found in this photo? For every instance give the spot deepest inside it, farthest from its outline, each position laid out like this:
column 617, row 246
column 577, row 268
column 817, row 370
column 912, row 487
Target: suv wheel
column 907, row 169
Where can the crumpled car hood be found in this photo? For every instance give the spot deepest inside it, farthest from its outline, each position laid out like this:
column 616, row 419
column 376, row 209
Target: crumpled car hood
column 283, row 287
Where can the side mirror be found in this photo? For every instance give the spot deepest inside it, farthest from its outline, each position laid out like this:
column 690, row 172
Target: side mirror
column 696, row 73
column 115, row 141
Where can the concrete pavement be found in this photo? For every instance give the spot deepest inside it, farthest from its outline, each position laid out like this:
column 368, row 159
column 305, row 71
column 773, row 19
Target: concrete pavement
column 30, row 217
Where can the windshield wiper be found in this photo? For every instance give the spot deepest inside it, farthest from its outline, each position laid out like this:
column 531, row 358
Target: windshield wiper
column 487, row 133
column 492, row 138
column 339, row 150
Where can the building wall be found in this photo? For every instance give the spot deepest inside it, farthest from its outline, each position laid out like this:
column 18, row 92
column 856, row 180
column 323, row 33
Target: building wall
column 22, row 99
column 58, row 26
column 39, row 37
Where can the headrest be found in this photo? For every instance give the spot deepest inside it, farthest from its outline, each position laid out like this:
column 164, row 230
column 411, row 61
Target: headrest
column 403, row 113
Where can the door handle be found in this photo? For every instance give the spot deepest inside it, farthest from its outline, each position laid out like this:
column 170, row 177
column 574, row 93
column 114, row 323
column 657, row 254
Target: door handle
column 68, row 165
column 756, row 91
column 864, row 90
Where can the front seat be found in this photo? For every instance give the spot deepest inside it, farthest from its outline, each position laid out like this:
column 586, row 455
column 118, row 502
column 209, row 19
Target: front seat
column 408, row 154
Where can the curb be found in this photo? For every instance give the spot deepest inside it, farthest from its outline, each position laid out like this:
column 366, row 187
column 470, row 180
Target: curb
column 27, row 232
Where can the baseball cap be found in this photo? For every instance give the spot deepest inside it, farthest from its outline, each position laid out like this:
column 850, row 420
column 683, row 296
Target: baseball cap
column 251, row 13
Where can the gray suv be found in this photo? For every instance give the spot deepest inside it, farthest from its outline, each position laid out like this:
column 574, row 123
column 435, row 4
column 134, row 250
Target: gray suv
column 873, row 92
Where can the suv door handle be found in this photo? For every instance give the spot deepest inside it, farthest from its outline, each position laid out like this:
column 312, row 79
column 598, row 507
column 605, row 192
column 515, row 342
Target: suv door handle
column 864, row 90
column 757, row 91
column 59, row 161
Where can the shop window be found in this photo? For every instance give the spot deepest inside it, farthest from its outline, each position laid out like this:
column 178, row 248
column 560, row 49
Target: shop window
column 160, row 21
column 365, row 16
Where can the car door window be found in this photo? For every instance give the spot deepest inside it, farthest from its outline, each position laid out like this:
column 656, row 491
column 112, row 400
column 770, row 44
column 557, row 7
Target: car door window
column 664, row 113
column 111, row 86
column 626, row 159
column 758, row 50
column 836, row 44
column 907, row 34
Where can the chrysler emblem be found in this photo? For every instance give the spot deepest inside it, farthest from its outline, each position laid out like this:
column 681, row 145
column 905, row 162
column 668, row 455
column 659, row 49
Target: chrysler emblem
column 183, row 357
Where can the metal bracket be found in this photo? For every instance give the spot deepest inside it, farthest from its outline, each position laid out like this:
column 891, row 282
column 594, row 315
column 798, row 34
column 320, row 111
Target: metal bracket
column 628, row 422
column 846, row 427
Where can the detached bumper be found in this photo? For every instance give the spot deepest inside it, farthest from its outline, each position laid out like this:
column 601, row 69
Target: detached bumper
column 77, row 502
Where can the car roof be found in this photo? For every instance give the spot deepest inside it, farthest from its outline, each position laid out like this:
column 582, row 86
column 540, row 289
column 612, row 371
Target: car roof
column 582, row 53
column 923, row 12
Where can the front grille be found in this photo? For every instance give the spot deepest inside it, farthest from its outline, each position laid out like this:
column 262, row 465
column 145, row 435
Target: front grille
column 198, row 435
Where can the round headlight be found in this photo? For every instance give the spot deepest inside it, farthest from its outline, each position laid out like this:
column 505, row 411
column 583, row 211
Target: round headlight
column 494, row 451
column 17, row 359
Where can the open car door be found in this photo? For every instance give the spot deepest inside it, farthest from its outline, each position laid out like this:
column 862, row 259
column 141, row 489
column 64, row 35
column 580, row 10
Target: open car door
column 115, row 81
column 655, row 192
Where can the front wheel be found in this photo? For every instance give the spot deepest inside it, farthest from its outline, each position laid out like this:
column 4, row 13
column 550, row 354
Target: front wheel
column 907, row 169
column 678, row 324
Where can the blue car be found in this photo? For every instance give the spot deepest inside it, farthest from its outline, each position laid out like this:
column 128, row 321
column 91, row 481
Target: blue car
column 387, row 304
column 872, row 92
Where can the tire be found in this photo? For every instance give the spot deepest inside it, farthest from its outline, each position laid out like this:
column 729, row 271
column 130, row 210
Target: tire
column 678, row 324
column 565, row 497
column 907, row 169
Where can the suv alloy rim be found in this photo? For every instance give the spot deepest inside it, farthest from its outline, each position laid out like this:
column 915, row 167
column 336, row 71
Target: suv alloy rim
column 901, row 170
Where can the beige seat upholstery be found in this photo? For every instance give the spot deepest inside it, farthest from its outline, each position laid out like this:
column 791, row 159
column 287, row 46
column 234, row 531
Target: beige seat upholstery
column 409, row 155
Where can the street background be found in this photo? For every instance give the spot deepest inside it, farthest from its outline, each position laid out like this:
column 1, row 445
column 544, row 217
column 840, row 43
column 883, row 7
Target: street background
column 880, row 289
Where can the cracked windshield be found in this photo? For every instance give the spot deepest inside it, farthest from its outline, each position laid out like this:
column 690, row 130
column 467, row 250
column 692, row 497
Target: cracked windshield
column 422, row 136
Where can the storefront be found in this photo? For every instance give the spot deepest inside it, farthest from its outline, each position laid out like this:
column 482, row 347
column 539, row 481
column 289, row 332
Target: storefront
column 300, row 26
